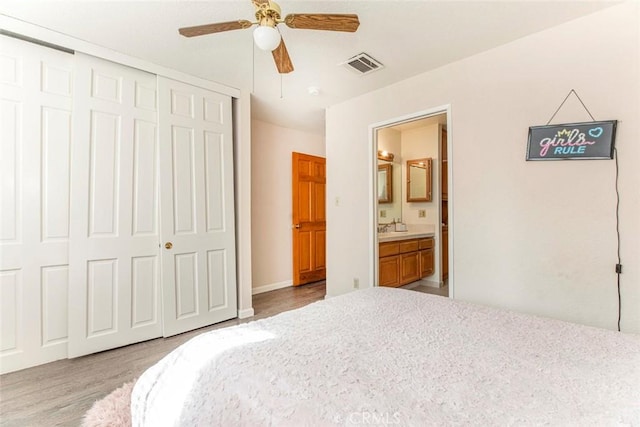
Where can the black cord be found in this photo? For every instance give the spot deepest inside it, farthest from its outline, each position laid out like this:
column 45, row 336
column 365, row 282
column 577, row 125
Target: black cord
column 619, row 265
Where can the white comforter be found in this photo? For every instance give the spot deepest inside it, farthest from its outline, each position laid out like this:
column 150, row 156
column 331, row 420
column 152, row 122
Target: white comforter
column 395, row 357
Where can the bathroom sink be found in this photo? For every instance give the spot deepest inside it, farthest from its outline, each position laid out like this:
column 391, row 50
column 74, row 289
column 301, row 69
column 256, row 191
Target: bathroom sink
column 391, row 233
column 394, row 228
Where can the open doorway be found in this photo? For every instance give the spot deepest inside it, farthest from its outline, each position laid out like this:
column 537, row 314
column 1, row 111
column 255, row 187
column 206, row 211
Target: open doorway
column 412, row 203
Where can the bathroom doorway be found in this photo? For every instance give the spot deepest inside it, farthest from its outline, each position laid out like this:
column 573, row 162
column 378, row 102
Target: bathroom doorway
column 412, row 202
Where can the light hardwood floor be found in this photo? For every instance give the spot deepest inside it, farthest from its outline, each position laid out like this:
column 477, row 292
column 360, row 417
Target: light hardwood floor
column 443, row 291
column 59, row 393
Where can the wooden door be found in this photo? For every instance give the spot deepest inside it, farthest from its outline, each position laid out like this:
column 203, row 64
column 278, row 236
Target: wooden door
column 197, row 207
column 309, row 222
column 444, row 179
column 114, row 287
column 35, row 154
column 445, row 252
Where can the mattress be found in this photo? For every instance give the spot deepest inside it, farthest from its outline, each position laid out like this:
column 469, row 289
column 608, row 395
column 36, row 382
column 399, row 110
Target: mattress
column 399, row 357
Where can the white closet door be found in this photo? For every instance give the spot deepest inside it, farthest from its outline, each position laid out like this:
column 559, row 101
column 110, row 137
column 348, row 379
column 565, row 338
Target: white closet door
column 114, row 252
column 35, row 142
column 197, row 207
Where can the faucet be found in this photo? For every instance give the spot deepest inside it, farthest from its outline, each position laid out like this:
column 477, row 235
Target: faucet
column 384, row 228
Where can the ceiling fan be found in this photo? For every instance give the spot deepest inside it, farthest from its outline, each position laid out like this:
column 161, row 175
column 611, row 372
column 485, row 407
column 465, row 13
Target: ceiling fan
column 266, row 35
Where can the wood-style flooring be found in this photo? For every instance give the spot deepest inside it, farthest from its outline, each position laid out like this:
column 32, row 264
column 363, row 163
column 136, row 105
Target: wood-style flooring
column 59, row 393
column 416, row 286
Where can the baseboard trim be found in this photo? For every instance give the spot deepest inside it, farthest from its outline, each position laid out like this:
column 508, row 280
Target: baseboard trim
column 247, row 312
column 271, row 287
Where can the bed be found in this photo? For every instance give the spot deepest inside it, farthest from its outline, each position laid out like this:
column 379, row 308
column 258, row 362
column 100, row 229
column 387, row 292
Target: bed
column 394, row 356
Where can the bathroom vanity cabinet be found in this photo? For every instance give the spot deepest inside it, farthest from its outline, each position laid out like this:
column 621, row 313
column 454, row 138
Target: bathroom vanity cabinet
column 405, row 261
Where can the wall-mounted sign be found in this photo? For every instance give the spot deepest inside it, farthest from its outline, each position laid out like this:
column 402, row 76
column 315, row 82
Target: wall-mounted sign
column 572, row 141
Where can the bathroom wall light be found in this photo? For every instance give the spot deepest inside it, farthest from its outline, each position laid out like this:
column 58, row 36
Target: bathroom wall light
column 385, row 155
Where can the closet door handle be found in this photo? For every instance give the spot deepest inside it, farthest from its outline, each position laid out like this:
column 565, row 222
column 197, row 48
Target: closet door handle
column 296, row 226
column 168, row 245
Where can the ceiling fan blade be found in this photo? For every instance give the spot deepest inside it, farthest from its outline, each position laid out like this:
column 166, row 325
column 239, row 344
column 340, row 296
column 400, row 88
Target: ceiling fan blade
column 320, row 21
column 201, row 30
column 282, row 59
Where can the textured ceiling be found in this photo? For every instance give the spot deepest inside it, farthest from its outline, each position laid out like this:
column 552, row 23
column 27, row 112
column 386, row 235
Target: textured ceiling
column 408, row 37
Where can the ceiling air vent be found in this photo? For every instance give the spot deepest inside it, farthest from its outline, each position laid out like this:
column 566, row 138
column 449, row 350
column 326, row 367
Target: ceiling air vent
column 362, row 64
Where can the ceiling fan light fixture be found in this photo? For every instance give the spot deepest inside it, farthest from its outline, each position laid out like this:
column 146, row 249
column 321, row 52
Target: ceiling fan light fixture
column 266, row 38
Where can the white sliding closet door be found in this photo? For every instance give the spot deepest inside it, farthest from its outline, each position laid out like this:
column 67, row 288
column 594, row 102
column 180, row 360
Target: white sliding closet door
column 114, row 252
column 35, row 142
column 197, row 207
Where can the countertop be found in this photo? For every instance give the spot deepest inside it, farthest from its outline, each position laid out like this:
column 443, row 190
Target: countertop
column 413, row 232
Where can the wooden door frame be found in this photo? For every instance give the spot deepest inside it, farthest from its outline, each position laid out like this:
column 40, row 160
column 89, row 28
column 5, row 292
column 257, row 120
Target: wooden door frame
column 373, row 195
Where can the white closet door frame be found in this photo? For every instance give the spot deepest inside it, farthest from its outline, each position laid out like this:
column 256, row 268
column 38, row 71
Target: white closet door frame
column 197, row 207
column 35, row 120
column 114, row 297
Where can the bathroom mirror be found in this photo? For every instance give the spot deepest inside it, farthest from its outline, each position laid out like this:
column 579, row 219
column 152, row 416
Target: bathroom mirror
column 385, row 183
column 419, row 180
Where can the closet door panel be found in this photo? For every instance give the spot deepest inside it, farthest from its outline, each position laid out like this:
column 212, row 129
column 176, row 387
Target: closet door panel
column 214, row 181
column 11, row 304
column 35, row 142
column 104, row 146
column 197, row 204
column 183, row 185
column 114, row 297
column 56, row 153
column 144, row 291
column 55, row 283
column 145, row 179
column 11, row 128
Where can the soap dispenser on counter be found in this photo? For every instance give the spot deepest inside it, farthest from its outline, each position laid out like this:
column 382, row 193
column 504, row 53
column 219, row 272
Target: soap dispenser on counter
column 400, row 226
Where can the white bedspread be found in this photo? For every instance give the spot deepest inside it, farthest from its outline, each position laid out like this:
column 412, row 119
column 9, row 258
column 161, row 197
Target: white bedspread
column 395, row 357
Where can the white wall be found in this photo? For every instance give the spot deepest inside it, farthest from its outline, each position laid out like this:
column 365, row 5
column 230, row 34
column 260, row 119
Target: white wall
column 271, row 213
column 537, row 237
